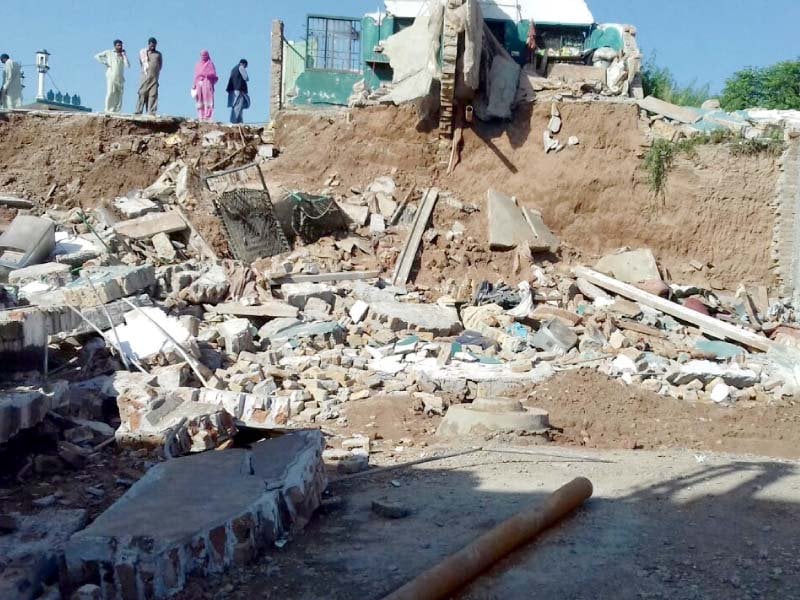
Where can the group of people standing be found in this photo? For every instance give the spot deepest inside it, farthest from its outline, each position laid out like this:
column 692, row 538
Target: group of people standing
column 151, row 62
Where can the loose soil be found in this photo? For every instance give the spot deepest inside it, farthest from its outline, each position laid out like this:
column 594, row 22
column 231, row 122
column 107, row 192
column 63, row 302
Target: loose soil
column 716, row 208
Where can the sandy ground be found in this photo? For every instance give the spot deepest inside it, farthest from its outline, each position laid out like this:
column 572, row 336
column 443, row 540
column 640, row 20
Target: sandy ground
column 676, row 525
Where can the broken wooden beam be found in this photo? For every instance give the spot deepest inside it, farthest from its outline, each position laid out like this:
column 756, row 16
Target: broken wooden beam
column 708, row 325
column 408, row 255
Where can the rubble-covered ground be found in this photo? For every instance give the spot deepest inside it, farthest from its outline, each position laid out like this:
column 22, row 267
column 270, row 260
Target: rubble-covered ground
column 141, row 346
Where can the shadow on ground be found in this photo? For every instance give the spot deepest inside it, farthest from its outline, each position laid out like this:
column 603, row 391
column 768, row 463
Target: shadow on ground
column 659, row 526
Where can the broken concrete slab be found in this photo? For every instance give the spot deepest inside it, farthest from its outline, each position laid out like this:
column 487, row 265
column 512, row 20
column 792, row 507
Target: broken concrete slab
column 149, row 225
column 268, row 310
column 682, row 114
column 441, row 321
column 175, row 425
column 543, row 239
column 707, row 371
column 633, row 266
column 507, row 225
column 323, row 329
column 139, row 549
column 276, row 326
column 143, row 339
column 510, row 225
column 356, row 213
column 25, row 407
column 135, row 206
column 32, row 556
column 211, row 287
column 164, row 248
column 101, row 285
column 51, row 273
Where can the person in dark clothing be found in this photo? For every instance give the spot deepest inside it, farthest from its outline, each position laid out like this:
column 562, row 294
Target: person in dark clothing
column 238, row 96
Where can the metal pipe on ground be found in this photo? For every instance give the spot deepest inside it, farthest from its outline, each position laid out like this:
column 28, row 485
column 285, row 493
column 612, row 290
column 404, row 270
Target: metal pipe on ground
column 460, row 568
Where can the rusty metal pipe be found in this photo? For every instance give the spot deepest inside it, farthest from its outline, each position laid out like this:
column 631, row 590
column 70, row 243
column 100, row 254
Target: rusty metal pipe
column 458, row 569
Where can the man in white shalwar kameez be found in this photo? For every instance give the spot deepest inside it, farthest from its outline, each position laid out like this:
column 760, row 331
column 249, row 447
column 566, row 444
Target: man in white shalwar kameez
column 115, row 61
column 11, row 89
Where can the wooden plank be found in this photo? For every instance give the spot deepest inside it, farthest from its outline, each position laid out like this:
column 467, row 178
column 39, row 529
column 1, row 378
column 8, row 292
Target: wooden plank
column 682, row 114
column 149, row 225
column 406, row 259
column 709, row 325
column 271, row 310
column 639, row 328
column 327, row 277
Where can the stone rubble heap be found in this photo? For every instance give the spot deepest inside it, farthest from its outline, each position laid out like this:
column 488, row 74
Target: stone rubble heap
column 191, row 352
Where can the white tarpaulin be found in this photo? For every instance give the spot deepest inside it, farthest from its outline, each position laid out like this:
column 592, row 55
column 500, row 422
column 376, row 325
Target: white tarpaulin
column 565, row 12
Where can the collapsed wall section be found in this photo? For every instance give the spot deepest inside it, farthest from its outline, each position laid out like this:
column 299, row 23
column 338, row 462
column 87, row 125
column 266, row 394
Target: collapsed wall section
column 717, row 207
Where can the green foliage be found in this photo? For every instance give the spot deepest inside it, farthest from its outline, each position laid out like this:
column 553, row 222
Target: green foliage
column 660, row 82
column 659, row 159
column 774, row 87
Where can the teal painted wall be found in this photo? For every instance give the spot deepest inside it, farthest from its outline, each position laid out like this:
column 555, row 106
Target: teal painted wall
column 605, row 37
column 315, row 87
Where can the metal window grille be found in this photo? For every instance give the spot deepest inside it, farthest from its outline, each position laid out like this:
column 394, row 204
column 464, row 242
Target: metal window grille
column 334, row 44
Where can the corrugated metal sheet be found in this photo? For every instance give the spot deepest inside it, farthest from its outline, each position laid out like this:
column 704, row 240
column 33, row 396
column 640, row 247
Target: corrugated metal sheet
column 563, row 12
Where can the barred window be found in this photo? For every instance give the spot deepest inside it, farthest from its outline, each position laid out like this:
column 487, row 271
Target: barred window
column 334, row 44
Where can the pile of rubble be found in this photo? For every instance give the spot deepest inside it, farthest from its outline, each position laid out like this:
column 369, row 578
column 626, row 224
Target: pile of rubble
column 126, row 309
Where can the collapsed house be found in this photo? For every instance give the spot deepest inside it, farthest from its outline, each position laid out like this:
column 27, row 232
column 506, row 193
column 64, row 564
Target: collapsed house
column 486, row 53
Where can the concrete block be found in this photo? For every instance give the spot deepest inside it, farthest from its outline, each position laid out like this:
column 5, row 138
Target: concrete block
column 237, row 334
column 298, row 294
column 441, row 321
column 356, row 213
column 358, row 311
column 139, row 549
column 164, row 248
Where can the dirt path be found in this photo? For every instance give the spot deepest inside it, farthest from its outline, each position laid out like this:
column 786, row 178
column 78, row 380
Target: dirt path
column 659, row 526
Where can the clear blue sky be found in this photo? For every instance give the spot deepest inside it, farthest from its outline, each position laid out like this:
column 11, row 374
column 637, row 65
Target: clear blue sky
column 703, row 40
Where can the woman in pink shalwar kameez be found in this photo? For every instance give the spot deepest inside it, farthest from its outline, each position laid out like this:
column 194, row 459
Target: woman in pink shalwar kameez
column 205, row 78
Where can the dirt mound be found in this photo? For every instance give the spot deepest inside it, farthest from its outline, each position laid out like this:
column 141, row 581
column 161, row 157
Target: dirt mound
column 72, row 160
column 594, row 195
column 596, row 412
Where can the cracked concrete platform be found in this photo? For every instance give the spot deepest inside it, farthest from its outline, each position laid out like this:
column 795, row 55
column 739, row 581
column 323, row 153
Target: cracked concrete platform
column 199, row 515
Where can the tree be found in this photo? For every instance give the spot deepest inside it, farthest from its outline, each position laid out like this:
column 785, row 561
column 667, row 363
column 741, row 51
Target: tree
column 660, row 82
column 774, row 87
